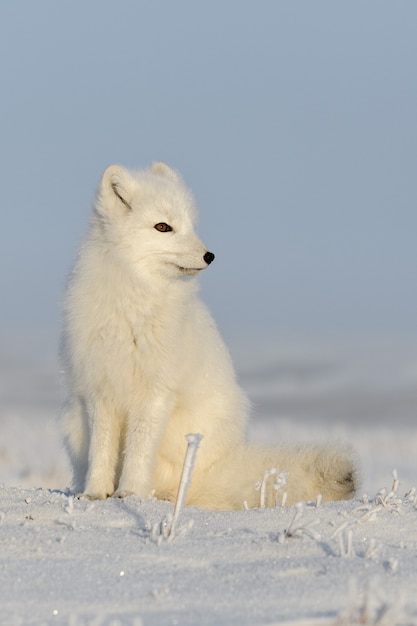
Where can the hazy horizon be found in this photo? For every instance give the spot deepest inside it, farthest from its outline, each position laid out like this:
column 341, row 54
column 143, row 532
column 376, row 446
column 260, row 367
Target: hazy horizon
column 293, row 123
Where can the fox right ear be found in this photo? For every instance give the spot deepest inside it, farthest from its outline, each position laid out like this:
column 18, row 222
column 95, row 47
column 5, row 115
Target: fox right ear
column 162, row 169
column 115, row 190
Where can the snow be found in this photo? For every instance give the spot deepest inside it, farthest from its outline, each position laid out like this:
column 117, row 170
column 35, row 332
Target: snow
column 74, row 562
column 67, row 561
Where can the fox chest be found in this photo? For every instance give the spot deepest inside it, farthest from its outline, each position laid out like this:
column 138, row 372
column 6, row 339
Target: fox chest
column 141, row 360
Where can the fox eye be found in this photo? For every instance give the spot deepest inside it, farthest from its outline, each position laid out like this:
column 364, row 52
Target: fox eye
column 162, row 227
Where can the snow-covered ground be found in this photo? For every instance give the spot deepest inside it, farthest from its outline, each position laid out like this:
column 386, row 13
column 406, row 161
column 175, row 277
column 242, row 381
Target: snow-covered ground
column 80, row 563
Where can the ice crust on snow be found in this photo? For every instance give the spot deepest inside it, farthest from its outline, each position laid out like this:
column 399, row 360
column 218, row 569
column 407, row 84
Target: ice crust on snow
column 69, row 561
column 79, row 563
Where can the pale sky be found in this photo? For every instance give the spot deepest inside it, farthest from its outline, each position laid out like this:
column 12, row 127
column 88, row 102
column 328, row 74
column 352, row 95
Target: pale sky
column 294, row 123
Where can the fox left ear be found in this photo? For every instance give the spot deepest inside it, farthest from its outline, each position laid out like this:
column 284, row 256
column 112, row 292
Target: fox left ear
column 162, row 169
column 115, row 190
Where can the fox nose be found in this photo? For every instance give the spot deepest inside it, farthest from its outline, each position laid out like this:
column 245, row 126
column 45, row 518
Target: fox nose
column 208, row 257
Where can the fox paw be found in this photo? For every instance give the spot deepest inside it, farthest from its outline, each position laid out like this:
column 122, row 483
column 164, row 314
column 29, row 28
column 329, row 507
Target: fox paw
column 123, row 493
column 93, row 496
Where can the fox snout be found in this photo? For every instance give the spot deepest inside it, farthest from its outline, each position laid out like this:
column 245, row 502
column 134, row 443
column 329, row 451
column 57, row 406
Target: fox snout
column 208, row 257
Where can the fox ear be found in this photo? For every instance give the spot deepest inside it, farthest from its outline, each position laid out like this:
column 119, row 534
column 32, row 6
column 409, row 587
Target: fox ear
column 162, row 169
column 115, row 190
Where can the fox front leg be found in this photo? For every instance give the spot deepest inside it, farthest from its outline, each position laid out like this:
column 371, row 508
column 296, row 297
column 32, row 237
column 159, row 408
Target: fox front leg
column 143, row 435
column 103, row 453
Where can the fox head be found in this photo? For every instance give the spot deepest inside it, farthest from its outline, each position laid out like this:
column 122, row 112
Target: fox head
column 148, row 220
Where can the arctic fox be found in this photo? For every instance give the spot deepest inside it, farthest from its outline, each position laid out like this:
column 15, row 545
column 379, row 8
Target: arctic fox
column 146, row 365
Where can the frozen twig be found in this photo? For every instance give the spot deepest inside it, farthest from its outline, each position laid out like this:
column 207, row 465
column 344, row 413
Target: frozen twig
column 372, row 550
column 410, row 496
column 346, row 543
column 267, row 474
column 369, row 509
column 395, row 481
column 299, row 531
column 371, row 610
column 390, row 500
column 297, row 514
column 261, row 485
column 279, row 483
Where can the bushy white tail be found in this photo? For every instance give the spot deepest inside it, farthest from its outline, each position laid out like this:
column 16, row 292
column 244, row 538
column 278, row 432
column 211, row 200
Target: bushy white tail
column 313, row 471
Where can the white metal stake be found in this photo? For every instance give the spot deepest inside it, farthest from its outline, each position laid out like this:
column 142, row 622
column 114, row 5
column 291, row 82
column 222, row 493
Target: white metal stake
column 192, row 447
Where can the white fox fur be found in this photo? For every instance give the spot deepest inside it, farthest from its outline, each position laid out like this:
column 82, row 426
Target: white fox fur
column 146, row 365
